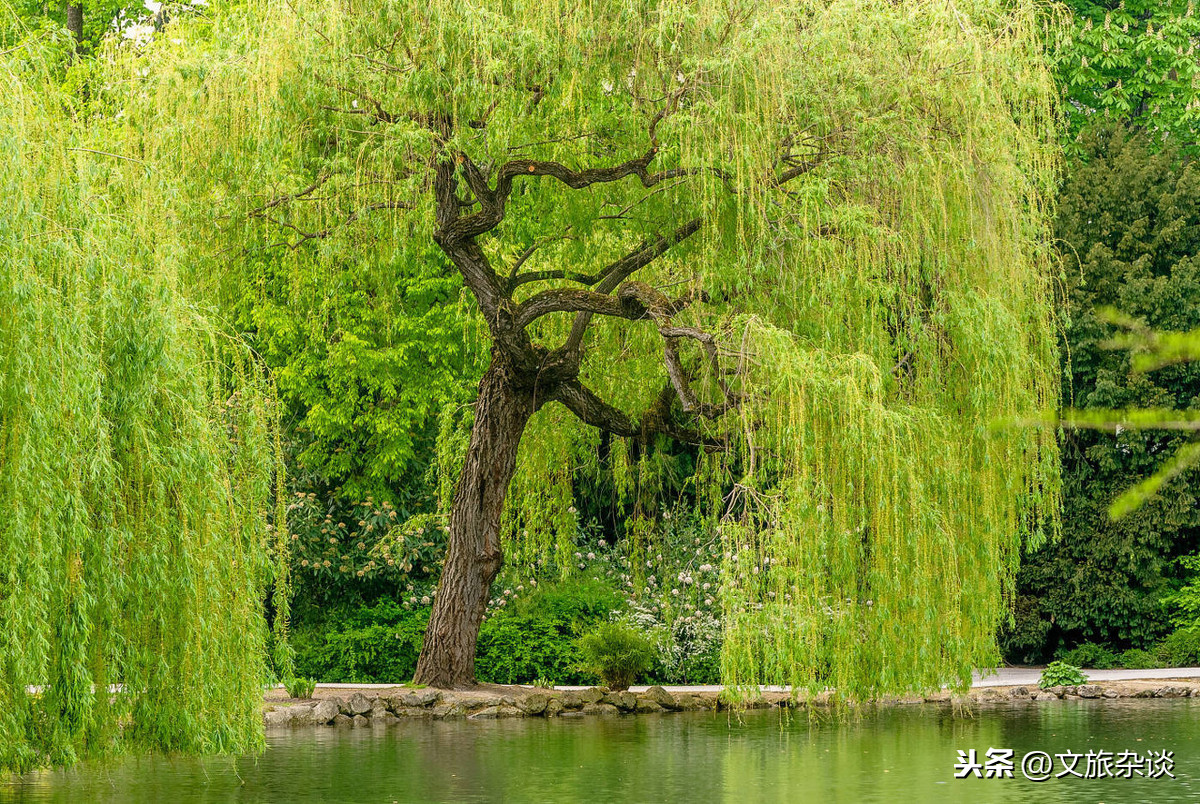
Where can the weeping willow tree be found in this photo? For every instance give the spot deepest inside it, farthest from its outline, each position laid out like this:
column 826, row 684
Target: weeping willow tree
column 807, row 238
column 136, row 464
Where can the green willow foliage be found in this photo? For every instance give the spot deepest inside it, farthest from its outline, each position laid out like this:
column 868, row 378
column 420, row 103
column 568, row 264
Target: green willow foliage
column 134, row 484
column 883, row 313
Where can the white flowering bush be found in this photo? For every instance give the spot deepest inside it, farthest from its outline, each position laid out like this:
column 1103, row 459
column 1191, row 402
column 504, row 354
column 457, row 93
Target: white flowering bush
column 668, row 580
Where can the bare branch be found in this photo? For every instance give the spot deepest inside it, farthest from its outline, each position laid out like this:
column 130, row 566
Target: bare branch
column 593, row 410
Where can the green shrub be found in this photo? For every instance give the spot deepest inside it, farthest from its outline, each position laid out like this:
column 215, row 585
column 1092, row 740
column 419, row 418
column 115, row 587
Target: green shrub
column 300, row 687
column 376, row 644
column 1091, row 655
column 537, row 636
column 1138, row 659
column 617, row 653
column 1180, row 649
column 1061, row 674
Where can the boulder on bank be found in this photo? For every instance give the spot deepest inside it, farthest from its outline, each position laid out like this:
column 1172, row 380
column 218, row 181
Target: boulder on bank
column 661, row 697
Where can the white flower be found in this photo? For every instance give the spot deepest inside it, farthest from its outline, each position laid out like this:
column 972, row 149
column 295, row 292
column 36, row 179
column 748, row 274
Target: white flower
column 602, row 543
column 706, row 586
column 675, row 591
column 708, row 601
column 571, row 510
column 591, row 556
column 520, row 588
column 425, row 601
column 607, row 86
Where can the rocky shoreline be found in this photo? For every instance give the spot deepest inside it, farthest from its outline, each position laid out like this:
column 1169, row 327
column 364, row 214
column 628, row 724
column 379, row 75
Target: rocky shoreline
column 379, row 707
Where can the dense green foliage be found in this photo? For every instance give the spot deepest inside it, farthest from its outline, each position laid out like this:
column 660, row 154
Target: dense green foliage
column 1133, row 62
column 1180, row 649
column 1138, row 659
column 361, row 644
column 1092, row 655
column 616, row 652
column 536, row 636
column 1129, row 224
column 136, row 467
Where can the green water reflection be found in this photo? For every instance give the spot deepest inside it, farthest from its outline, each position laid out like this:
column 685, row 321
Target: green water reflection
column 898, row 755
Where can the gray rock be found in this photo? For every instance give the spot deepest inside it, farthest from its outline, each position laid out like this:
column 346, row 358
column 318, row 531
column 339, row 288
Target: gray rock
column 358, row 704
column 600, row 709
column 378, row 708
column 341, row 705
column 323, row 712
column 470, row 700
column 1045, row 695
column 1110, row 693
column 571, row 699
column 361, row 720
column 646, row 705
column 554, row 706
column 661, row 697
column 493, row 712
column 277, row 718
column 1171, row 691
column 625, row 701
column 534, row 703
column 447, row 711
column 303, row 716
column 424, row 697
column 592, row 695
column 1019, row 692
column 343, row 720
column 385, row 718
column 1090, row 691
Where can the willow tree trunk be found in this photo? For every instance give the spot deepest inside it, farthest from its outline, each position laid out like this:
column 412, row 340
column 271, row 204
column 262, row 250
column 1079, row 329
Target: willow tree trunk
column 474, row 555
column 75, row 22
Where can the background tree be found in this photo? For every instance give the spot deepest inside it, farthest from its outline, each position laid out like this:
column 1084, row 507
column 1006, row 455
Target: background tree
column 1133, row 62
column 1129, row 224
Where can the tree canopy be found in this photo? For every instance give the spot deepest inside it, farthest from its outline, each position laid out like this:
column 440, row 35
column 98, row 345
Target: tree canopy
column 878, row 311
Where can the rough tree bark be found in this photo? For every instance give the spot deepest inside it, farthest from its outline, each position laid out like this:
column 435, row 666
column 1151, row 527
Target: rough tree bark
column 75, row 22
column 474, row 555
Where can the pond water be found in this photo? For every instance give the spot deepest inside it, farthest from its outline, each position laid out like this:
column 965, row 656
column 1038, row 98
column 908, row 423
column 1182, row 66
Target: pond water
column 895, row 755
